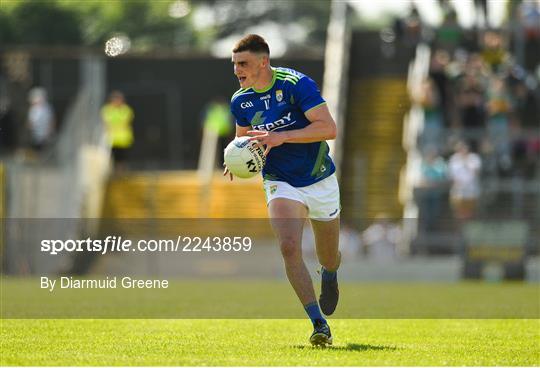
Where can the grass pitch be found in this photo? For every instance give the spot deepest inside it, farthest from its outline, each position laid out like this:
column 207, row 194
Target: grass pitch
column 227, row 323
column 271, row 299
column 269, row 342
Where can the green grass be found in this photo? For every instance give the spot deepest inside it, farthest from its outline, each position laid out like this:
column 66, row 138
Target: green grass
column 269, row 342
column 225, row 322
column 263, row 299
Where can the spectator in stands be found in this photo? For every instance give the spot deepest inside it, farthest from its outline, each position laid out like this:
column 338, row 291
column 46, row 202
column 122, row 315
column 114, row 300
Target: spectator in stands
column 493, row 52
column 410, row 28
column 499, row 108
column 118, row 116
column 438, row 73
column 41, row 120
column 428, row 98
column 382, row 239
column 477, row 67
column 431, row 188
column 471, row 105
column 413, row 27
column 449, row 35
column 464, row 171
column 523, row 87
column 529, row 19
column 519, row 153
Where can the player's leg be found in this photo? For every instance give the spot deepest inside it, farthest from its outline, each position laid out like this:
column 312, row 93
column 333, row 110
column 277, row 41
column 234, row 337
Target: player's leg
column 287, row 217
column 324, row 206
column 327, row 246
column 327, row 243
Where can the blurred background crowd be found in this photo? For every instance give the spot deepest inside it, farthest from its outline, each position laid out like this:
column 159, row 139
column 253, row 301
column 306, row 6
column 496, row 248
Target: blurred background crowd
column 119, row 109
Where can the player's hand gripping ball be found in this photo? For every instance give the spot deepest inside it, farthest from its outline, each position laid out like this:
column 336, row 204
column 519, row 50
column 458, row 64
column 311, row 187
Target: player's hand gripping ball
column 244, row 158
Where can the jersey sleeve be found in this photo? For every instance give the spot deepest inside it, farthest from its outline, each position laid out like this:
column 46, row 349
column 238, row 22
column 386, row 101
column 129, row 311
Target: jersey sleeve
column 307, row 94
column 239, row 119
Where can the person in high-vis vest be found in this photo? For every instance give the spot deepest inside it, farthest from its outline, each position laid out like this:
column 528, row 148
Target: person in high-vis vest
column 118, row 117
column 218, row 118
column 217, row 132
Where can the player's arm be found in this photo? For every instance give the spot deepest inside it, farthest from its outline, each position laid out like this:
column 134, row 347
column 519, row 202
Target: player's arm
column 322, row 127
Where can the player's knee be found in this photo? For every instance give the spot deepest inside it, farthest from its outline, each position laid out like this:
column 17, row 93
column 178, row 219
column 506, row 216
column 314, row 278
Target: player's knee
column 290, row 248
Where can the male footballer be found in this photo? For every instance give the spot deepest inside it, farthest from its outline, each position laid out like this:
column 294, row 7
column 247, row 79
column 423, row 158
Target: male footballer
column 283, row 110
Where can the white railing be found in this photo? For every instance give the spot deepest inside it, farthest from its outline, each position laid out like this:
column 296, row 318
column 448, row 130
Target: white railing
column 412, row 128
column 336, row 71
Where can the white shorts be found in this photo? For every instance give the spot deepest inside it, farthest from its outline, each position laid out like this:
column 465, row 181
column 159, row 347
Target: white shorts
column 321, row 198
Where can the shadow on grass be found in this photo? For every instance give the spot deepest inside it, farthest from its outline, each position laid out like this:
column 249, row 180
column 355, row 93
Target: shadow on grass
column 350, row 347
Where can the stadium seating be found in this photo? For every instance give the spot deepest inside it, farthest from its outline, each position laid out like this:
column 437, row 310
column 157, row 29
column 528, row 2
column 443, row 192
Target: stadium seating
column 376, row 110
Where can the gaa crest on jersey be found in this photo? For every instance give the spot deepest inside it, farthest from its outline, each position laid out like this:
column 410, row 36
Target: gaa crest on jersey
column 279, row 95
column 273, row 189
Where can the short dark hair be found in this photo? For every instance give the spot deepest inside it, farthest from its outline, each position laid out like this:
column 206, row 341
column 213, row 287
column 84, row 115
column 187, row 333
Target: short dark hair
column 253, row 43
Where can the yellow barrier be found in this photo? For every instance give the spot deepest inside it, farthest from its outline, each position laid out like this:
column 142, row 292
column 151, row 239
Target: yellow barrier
column 182, row 195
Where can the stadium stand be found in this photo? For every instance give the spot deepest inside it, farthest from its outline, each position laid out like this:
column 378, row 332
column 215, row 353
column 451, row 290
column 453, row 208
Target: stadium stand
column 492, row 103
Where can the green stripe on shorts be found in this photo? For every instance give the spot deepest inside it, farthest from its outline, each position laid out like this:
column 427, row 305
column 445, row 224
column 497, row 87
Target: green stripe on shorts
column 323, row 150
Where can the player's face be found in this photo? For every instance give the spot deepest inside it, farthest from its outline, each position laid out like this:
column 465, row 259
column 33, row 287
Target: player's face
column 248, row 67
